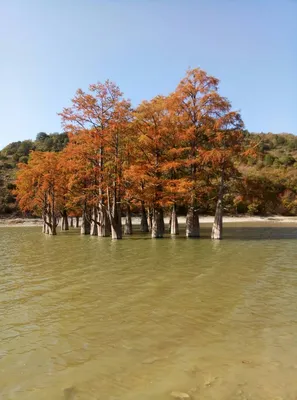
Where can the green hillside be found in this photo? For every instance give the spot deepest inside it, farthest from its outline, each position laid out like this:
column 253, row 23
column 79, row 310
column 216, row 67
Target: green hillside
column 17, row 152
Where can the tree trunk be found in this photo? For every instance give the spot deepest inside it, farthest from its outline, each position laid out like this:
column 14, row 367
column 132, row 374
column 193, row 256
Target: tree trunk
column 116, row 222
column 76, row 224
column 94, row 223
column 128, row 222
column 71, row 222
column 64, row 221
column 192, row 223
column 85, row 224
column 103, row 222
column 50, row 221
column 47, row 223
column 115, row 216
column 162, row 223
column 53, row 227
column 44, row 226
column 174, row 228
column 217, row 227
column 157, row 223
column 150, row 219
column 143, row 222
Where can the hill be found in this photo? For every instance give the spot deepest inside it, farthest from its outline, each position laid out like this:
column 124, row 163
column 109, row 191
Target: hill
column 17, row 152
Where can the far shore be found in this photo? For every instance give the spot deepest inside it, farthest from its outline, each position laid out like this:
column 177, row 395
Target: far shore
column 29, row 222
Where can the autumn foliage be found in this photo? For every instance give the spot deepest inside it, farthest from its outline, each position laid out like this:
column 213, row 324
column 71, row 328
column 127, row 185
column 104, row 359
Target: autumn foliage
column 171, row 151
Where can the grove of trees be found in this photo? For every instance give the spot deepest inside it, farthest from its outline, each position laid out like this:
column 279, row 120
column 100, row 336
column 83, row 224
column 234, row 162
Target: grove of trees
column 172, row 151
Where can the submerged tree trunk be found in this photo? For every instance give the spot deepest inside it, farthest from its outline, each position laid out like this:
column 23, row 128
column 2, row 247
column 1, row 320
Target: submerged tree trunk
column 217, row 227
column 143, row 222
column 94, row 223
column 103, row 222
column 44, row 226
column 116, row 225
column 115, row 217
column 174, row 228
column 50, row 220
column 76, row 223
column 64, row 221
column 114, row 214
column 85, row 223
column 53, row 227
column 192, row 223
column 128, row 221
column 157, row 223
column 71, row 222
column 47, row 221
column 150, row 219
column 162, row 223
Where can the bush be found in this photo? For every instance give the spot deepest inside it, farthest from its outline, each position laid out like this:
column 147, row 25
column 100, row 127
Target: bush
column 10, row 199
column 24, row 159
column 7, row 166
column 253, row 208
column 287, row 160
column 16, row 157
column 268, row 160
column 11, row 186
column 3, row 157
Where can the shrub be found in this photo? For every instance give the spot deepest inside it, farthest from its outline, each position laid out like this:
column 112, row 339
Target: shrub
column 24, row 159
column 287, row 160
column 11, row 186
column 268, row 160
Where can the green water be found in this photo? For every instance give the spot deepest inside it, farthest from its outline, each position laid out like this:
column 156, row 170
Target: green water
column 91, row 318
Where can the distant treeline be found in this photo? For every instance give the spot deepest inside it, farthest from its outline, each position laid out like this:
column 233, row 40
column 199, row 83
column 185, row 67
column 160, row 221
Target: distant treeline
column 19, row 151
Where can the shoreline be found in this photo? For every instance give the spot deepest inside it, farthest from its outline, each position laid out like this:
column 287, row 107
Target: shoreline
column 30, row 222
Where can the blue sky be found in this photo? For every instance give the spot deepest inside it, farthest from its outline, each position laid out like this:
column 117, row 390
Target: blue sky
column 49, row 48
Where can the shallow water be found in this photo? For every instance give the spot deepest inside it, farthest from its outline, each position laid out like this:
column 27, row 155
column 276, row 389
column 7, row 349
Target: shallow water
column 90, row 318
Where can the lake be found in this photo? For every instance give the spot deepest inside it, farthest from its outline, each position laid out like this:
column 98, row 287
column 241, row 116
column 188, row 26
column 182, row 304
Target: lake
column 89, row 318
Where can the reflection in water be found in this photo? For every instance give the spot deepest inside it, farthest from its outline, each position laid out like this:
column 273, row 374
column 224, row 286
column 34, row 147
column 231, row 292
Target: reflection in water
column 90, row 318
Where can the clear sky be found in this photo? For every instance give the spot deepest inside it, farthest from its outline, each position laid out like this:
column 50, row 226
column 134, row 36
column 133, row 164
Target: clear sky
column 49, row 48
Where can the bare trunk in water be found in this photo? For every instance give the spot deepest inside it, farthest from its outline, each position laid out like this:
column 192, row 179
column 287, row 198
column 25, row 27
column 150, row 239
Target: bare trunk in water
column 114, row 214
column 49, row 219
column 192, row 223
column 94, row 225
column 103, row 222
column 47, row 222
column 174, row 229
column 143, row 222
column 150, row 219
column 116, row 223
column 64, row 221
column 44, row 226
column 85, row 223
column 71, row 222
column 53, row 227
column 128, row 221
column 157, row 223
column 217, row 227
column 76, row 222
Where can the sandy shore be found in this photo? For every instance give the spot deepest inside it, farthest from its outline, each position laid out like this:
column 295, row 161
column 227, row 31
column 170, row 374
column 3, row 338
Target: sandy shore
column 27, row 222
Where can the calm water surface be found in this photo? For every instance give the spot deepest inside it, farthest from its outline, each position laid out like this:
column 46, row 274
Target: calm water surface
column 88, row 318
